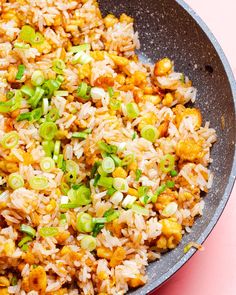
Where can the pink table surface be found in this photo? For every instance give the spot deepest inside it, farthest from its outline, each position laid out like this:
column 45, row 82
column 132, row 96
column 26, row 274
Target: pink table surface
column 213, row 271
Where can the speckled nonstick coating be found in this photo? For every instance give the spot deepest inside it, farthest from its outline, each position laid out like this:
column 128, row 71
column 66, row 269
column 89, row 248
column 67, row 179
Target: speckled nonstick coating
column 170, row 28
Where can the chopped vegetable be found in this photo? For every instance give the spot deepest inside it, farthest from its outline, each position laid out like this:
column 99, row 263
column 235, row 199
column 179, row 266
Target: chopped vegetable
column 37, row 78
column 37, row 96
column 53, row 115
column 10, row 140
column 88, row 243
column 24, row 240
column 84, row 222
column 58, row 66
column 27, row 229
column 48, row 130
column 108, row 165
column 84, row 91
column 47, row 164
column 111, row 215
column 167, row 163
column 127, row 160
column 120, row 184
column 97, row 228
column 20, row 73
column 48, row 231
column 131, row 110
column 110, row 149
column 140, row 210
column 83, row 47
column 105, row 181
column 149, row 132
column 38, row 182
column 173, row 173
column 138, row 174
column 15, row 181
column 80, row 196
column 117, row 197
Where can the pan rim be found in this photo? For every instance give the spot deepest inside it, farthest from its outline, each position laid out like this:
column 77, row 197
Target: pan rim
column 229, row 187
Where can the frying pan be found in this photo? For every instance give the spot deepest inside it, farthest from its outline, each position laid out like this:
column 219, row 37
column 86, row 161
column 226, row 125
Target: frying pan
column 170, row 28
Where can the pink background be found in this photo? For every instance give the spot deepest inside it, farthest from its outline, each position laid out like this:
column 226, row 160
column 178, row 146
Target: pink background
column 213, row 272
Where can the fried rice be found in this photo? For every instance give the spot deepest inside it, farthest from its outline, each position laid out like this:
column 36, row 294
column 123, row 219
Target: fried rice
column 101, row 163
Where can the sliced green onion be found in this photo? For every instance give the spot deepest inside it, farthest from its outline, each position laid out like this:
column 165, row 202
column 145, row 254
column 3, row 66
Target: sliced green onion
column 16, row 100
column 173, row 173
column 116, row 160
column 115, row 104
column 70, row 177
column 83, row 47
column 80, row 196
column 99, row 220
column 48, row 231
column 20, row 73
column 48, row 147
column 48, row 130
column 35, row 99
column 81, row 58
column 27, row 90
column 82, row 135
column 94, row 169
column 97, row 228
column 72, row 166
column 10, row 140
column 116, row 198
column 110, row 149
column 101, row 171
column 128, row 201
column 120, row 184
column 108, row 165
column 182, row 78
column 110, row 92
column 140, row 210
column 84, row 222
column 63, row 218
column 83, row 90
column 131, row 110
column 27, row 229
column 143, row 190
column 159, row 191
column 127, row 160
column 60, row 79
column 138, row 174
column 50, row 86
column 111, row 215
column 57, row 147
column 21, row 45
column 58, row 66
column 38, row 182
column 69, row 206
column 47, row 164
column 111, row 191
column 36, row 114
column 105, row 181
column 45, row 106
column 88, row 243
column 15, row 181
column 53, row 115
column 167, row 163
column 150, row 133
column 10, row 94
column 170, row 184
column 14, row 281
column 37, row 78
column 25, row 248
column 134, row 135
column 24, row 241
column 64, row 187
column 24, row 116
column 145, row 199
column 27, row 33
column 37, row 39
column 96, row 179
column 61, row 93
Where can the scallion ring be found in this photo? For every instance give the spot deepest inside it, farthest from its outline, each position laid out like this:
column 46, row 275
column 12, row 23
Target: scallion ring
column 10, row 140
column 15, row 181
column 38, row 182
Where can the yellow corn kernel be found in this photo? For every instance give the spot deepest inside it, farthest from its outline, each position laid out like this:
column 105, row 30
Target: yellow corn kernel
column 139, row 78
column 102, row 275
column 119, row 60
column 38, row 279
column 97, row 55
column 118, row 256
column 125, row 18
column 10, row 15
column 85, row 71
column 119, row 172
column 110, row 20
column 45, row 47
column 120, row 79
column 155, row 99
column 133, row 166
column 4, row 282
column 62, row 237
column 51, row 206
column 148, row 90
column 9, row 248
column 136, row 282
column 133, row 192
column 65, row 250
column 168, row 99
column 11, row 75
column 103, row 252
column 57, row 20
column 4, row 291
column 162, row 243
column 162, row 67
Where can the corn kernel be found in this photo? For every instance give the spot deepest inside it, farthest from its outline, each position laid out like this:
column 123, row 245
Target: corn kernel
column 133, row 166
column 162, row 67
column 119, row 60
column 65, row 250
column 103, row 252
column 119, row 172
column 136, row 282
column 133, row 192
column 4, row 282
column 118, row 256
column 120, row 79
column 168, row 99
column 97, row 55
column 110, row 20
column 155, row 99
column 125, row 18
column 102, row 275
column 139, row 78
